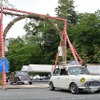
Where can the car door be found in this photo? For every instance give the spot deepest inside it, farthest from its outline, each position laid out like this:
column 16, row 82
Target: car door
column 63, row 79
column 55, row 77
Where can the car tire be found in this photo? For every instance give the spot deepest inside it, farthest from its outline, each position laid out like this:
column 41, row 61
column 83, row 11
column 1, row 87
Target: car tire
column 51, row 86
column 17, row 82
column 22, row 83
column 11, row 83
column 30, row 83
column 74, row 88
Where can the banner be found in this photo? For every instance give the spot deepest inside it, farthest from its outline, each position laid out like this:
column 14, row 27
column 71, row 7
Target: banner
column 60, row 51
column 4, row 63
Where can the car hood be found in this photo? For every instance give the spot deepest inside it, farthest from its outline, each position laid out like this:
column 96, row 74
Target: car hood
column 89, row 77
column 24, row 76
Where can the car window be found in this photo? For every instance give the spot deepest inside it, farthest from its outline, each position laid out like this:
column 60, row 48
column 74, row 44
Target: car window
column 56, row 71
column 63, row 72
column 21, row 73
column 78, row 70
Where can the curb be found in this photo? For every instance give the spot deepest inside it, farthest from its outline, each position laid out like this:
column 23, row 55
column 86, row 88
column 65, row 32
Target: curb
column 25, row 86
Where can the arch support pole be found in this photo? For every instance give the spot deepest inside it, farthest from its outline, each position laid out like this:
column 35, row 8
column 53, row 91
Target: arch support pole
column 2, row 49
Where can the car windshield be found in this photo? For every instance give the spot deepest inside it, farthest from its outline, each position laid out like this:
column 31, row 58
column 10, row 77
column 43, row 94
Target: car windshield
column 21, row 73
column 78, row 70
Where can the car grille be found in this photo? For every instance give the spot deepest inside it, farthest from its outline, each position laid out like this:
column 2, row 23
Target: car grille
column 25, row 78
column 92, row 83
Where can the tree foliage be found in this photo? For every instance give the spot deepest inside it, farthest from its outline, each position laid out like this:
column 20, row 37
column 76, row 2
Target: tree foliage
column 87, row 36
column 5, row 3
column 22, row 52
column 47, row 38
column 66, row 10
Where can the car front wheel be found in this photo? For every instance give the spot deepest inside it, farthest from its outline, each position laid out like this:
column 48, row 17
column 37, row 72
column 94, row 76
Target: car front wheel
column 51, row 86
column 74, row 88
column 11, row 83
column 30, row 83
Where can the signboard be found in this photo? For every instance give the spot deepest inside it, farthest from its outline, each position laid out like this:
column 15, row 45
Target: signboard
column 60, row 51
column 4, row 63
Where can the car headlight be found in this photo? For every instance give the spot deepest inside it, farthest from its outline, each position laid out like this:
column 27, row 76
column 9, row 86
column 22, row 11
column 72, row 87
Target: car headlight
column 82, row 80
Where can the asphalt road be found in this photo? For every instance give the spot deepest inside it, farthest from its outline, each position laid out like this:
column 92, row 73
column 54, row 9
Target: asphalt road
column 44, row 94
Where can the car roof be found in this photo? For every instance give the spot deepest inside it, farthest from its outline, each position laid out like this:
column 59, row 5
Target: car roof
column 69, row 65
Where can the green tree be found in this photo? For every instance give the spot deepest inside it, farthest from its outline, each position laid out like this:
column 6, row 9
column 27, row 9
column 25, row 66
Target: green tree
column 47, row 38
column 5, row 3
column 21, row 53
column 87, row 36
column 66, row 10
column 83, row 30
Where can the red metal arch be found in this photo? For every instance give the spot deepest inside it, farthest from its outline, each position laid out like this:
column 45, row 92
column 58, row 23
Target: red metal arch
column 64, row 34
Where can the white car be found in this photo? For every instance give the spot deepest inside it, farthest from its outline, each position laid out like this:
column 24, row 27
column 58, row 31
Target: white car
column 74, row 78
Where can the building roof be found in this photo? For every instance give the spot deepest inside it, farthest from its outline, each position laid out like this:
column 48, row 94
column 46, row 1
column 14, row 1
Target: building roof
column 24, row 68
column 37, row 68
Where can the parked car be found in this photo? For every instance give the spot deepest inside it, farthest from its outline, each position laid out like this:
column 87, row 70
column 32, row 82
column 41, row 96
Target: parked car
column 20, row 77
column 74, row 78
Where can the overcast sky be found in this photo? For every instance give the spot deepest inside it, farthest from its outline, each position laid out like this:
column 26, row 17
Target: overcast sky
column 44, row 7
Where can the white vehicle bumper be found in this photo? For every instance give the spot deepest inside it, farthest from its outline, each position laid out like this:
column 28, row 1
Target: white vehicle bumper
column 26, row 82
column 91, row 89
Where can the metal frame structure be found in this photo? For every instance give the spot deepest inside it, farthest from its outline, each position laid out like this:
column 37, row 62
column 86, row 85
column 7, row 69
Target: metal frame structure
column 64, row 36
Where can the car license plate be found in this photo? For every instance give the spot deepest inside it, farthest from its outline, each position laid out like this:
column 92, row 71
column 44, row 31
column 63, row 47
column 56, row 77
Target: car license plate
column 25, row 81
